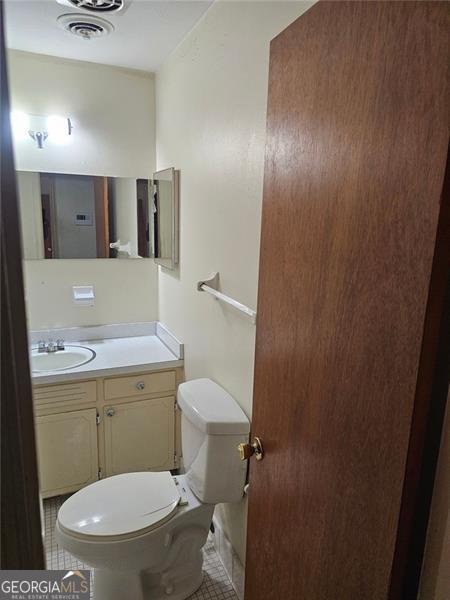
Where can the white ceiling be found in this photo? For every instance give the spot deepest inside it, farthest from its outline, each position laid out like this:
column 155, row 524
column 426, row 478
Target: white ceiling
column 145, row 33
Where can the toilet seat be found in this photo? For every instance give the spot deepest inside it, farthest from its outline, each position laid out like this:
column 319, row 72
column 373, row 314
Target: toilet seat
column 121, row 506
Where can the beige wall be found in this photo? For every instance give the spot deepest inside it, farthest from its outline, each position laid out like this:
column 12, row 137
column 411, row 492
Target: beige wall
column 125, row 290
column 211, row 109
column 435, row 582
column 114, row 134
column 112, row 111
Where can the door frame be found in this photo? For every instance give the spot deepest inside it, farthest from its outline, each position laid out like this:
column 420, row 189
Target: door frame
column 21, row 535
column 101, row 215
column 428, row 418
column 143, row 217
column 48, row 214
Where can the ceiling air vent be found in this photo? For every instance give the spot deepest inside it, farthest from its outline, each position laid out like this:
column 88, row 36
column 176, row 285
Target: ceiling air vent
column 98, row 6
column 85, row 26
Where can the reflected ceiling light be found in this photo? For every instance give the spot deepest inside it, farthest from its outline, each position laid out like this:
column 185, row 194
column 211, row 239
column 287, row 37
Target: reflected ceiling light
column 39, row 128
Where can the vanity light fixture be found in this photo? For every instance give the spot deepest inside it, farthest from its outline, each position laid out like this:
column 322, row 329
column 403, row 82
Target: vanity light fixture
column 39, row 128
column 39, row 137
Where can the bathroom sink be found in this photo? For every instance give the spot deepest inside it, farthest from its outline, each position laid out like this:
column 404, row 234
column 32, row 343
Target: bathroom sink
column 71, row 357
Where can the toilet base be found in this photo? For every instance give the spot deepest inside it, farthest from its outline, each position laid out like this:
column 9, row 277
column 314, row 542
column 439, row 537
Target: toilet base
column 173, row 584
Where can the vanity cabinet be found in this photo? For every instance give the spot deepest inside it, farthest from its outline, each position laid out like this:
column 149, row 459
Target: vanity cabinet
column 67, row 450
column 139, row 436
column 101, row 427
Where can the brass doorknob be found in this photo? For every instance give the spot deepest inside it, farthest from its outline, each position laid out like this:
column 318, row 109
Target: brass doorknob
column 246, row 451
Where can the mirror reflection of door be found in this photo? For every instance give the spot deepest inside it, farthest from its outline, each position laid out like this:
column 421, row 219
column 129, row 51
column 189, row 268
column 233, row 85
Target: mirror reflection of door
column 143, row 217
column 74, row 216
column 77, row 216
column 46, row 219
column 102, row 230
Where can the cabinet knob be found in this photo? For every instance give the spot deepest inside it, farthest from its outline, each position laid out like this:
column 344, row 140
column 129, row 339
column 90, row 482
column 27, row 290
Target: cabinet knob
column 110, row 412
column 140, row 385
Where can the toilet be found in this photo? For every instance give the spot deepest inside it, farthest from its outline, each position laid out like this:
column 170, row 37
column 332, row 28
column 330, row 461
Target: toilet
column 143, row 533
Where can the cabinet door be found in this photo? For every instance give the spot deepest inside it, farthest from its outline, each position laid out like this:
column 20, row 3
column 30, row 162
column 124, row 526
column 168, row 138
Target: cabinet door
column 67, row 451
column 139, row 436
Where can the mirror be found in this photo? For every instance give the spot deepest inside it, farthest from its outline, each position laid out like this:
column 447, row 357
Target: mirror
column 83, row 216
column 165, row 217
column 84, row 142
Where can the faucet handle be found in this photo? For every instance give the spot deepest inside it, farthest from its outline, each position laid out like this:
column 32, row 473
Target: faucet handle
column 51, row 346
column 60, row 344
column 42, row 346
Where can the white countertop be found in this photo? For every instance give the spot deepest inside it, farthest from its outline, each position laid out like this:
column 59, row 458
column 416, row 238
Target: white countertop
column 115, row 356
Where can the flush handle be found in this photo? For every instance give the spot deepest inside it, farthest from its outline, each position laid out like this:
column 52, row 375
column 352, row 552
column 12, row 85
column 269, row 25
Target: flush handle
column 246, row 451
column 140, row 385
column 110, row 412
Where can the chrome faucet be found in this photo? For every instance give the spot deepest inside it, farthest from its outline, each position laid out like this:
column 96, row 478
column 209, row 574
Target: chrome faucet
column 51, row 346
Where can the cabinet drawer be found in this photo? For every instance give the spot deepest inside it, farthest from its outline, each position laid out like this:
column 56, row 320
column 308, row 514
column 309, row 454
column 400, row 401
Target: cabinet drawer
column 139, row 385
column 83, row 392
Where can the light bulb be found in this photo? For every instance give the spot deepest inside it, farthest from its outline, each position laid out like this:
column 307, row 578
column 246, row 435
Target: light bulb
column 20, row 123
column 58, row 128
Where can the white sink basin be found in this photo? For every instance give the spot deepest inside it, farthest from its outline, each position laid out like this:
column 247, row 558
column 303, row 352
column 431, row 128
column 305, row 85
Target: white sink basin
column 71, row 357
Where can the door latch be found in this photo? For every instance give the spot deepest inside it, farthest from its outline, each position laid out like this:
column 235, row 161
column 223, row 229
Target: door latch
column 246, row 451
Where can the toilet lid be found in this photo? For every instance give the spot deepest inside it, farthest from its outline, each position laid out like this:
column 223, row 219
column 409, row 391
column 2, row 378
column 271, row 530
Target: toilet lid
column 120, row 505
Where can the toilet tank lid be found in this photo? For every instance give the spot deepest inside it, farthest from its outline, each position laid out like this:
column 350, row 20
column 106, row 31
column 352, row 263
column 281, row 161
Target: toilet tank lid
column 211, row 409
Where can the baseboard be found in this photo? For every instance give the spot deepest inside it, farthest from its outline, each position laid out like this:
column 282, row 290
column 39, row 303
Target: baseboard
column 229, row 559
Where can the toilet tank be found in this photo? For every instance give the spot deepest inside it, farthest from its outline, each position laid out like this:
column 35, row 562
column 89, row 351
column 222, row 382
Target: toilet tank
column 212, row 426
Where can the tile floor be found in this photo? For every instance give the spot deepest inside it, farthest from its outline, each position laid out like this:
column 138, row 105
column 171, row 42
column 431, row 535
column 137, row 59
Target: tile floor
column 216, row 584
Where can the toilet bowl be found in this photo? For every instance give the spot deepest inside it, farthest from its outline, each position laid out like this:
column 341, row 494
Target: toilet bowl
column 143, row 533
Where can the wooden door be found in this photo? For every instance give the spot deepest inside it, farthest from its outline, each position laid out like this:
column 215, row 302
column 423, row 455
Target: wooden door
column 140, row 436
column 354, row 258
column 67, row 451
